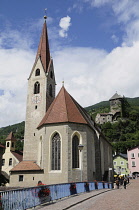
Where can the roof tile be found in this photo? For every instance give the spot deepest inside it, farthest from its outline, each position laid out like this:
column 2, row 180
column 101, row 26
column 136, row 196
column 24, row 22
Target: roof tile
column 18, row 155
column 26, row 166
column 64, row 109
column 43, row 48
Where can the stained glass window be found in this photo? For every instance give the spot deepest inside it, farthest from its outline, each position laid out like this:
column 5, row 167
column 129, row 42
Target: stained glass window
column 56, row 152
column 75, row 152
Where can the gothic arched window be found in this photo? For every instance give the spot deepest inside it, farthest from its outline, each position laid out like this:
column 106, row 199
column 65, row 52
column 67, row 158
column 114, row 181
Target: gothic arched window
column 56, row 152
column 37, row 72
column 50, row 90
column 75, row 152
column 36, row 88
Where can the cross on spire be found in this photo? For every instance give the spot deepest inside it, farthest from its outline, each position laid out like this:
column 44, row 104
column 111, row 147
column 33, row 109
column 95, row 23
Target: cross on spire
column 45, row 11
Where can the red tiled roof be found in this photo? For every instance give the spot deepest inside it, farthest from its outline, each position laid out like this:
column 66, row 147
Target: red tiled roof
column 65, row 109
column 26, row 166
column 43, row 48
column 11, row 137
column 18, row 155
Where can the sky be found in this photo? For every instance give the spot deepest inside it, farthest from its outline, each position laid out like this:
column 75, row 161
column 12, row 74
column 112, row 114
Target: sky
column 94, row 45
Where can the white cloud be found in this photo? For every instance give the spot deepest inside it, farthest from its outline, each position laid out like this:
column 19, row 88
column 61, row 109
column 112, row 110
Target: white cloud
column 127, row 15
column 64, row 25
column 93, row 75
column 97, row 3
column 15, row 66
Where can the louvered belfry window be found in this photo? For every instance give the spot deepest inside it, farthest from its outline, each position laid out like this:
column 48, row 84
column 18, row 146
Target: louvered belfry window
column 75, row 152
column 37, row 73
column 36, row 88
column 56, row 152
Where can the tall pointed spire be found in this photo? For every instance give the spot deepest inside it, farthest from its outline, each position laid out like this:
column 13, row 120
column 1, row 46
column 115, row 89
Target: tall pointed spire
column 43, row 48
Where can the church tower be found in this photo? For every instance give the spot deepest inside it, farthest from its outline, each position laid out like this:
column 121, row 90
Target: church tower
column 41, row 93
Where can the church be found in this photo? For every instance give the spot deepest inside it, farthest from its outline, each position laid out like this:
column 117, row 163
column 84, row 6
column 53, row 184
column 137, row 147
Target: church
column 62, row 143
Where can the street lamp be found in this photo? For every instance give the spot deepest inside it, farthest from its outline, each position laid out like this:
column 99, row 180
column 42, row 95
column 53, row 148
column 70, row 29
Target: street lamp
column 80, row 148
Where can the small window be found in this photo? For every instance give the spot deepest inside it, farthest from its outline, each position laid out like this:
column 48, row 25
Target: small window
column 133, row 164
column 122, row 162
column 8, row 144
column 123, row 169
column 3, row 162
column 37, row 73
column 10, row 161
column 138, row 154
column 12, row 144
column 35, row 107
column 34, row 134
column 21, row 178
column 115, row 163
column 132, row 155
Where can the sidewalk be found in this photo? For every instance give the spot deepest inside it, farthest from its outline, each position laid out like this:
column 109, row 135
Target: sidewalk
column 71, row 201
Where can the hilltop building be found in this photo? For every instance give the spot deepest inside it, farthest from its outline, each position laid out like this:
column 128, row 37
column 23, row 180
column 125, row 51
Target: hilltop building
column 115, row 111
column 62, row 143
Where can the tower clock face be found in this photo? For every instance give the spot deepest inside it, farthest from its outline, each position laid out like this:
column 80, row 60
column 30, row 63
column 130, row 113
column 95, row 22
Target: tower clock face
column 36, row 98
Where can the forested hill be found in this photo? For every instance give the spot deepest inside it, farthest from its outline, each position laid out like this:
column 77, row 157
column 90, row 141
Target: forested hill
column 17, row 129
column 122, row 134
column 134, row 102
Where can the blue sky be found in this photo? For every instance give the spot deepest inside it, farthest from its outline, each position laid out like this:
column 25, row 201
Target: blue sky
column 94, row 45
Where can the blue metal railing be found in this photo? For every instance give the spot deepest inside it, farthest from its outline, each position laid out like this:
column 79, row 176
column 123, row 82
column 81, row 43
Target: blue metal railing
column 30, row 197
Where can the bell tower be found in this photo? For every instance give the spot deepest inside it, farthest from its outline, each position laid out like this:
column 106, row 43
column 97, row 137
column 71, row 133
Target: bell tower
column 41, row 93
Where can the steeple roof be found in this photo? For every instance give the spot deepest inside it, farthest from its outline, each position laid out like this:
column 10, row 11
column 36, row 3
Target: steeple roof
column 115, row 96
column 10, row 137
column 65, row 109
column 43, row 48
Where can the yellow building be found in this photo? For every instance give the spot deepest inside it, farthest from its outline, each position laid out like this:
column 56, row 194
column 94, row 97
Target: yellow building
column 11, row 157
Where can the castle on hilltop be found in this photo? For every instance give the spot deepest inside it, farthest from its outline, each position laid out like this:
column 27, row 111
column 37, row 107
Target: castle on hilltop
column 116, row 104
